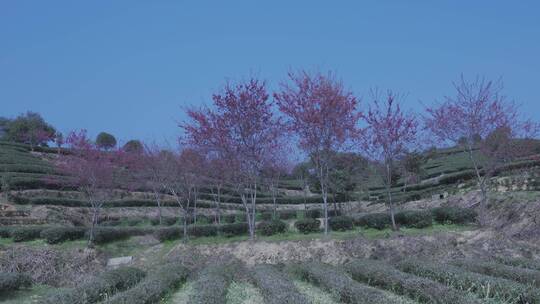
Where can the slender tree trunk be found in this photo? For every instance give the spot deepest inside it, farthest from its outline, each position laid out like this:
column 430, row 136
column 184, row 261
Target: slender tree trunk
column 274, row 201
column 482, row 184
column 334, row 201
column 253, row 211
column 95, row 217
column 194, row 206
column 158, row 200
column 389, row 196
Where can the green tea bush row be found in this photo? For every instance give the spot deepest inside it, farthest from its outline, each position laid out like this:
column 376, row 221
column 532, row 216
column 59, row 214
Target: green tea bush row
column 55, row 235
column 10, row 281
column 27, row 233
column 453, row 215
column 271, row 227
column 234, row 229
column 308, row 225
column 521, row 275
column 482, row 285
column 175, row 233
column 276, row 286
column 152, row 289
column 378, row 221
column 5, row 231
column 381, row 274
column 520, row 262
column 202, row 230
column 340, row 223
column 211, row 285
column 414, row 218
column 104, row 235
column 335, row 281
column 99, row 288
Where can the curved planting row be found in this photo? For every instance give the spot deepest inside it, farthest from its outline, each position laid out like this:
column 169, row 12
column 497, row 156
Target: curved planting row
column 211, row 286
column 97, row 289
column 152, row 289
column 482, row 285
column 521, row 275
column 381, row 274
column 335, row 281
column 276, row 286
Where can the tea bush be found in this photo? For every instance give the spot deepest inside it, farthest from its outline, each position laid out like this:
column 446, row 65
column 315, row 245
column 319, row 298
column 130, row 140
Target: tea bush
column 276, row 286
column 99, row 288
column 381, row 274
column 340, row 223
column 482, row 285
column 55, row 235
column 335, row 281
column 211, row 285
column 272, row 227
column 308, row 225
column 152, row 289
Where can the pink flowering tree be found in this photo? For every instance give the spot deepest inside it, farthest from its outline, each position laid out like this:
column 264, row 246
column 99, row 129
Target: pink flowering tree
column 93, row 172
column 324, row 116
column 389, row 135
column 242, row 129
column 481, row 122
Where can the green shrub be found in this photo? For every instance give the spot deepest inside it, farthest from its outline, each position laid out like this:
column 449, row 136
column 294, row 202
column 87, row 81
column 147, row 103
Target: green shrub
column 308, row 225
column 228, row 218
column 5, row 231
column 134, row 221
column 336, row 282
column 266, row 216
column 271, row 227
column 333, row 213
column 521, row 275
column 378, row 221
column 203, row 219
column 10, row 281
column 381, row 274
column 168, row 221
column 340, row 223
column 202, row 230
column 482, row 285
column 27, row 233
column 111, row 223
column 414, row 218
column 287, row 214
column 104, row 235
column 57, row 235
column 313, row 213
column 453, row 215
column 211, row 285
column 152, row 289
column 276, row 286
column 99, row 288
column 169, row 233
column 234, row 229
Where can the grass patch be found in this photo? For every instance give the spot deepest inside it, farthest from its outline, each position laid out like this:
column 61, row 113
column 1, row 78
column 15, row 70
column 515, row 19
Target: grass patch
column 181, row 296
column 314, row 294
column 242, row 293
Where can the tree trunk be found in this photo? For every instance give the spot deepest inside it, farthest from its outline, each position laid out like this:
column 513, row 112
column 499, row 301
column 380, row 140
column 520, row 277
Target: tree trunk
column 481, row 181
column 158, row 200
column 389, row 196
column 95, row 217
column 334, row 201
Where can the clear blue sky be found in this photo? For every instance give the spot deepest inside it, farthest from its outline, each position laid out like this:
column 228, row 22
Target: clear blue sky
column 127, row 67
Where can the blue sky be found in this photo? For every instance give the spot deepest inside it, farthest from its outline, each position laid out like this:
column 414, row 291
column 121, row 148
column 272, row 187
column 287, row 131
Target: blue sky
column 128, row 67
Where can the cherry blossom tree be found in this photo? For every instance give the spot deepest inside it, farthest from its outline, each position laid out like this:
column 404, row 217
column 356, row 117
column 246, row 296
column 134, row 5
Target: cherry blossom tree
column 324, row 116
column 485, row 125
column 389, row 135
column 92, row 171
column 242, row 129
